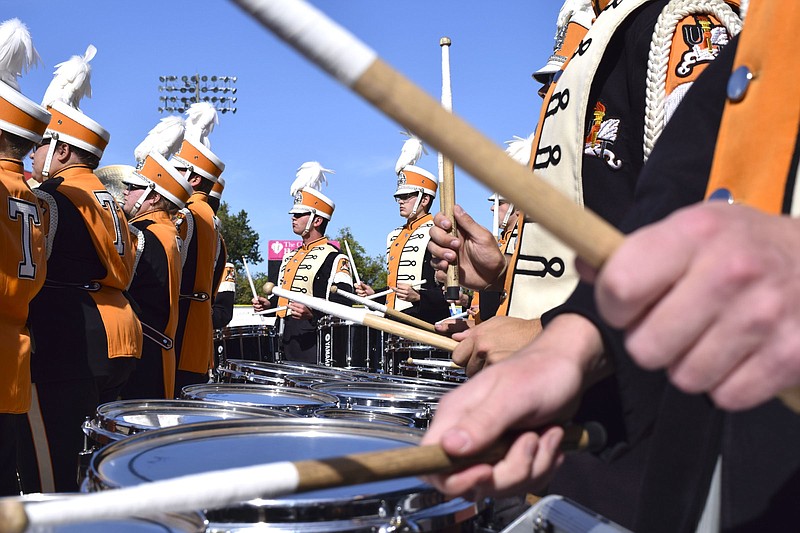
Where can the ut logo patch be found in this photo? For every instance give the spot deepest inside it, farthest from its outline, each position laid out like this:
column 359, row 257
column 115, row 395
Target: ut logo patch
column 601, row 137
column 704, row 39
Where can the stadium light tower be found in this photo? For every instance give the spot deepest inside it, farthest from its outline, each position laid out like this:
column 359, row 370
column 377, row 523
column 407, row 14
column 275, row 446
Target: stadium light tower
column 179, row 92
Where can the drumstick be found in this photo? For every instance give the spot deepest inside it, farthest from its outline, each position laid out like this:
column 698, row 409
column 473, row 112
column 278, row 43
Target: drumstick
column 365, row 318
column 432, row 362
column 416, row 285
column 375, row 306
column 462, row 314
column 379, row 294
column 249, row 278
column 353, row 63
column 273, row 310
column 447, row 197
column 352, row 263
column 217, row 489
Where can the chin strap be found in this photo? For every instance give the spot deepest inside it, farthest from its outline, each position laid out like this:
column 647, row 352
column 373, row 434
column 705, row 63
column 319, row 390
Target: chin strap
column 416, row 205
column 138, row 205
column 311, row 216
column 51, row 150
column 509, row 212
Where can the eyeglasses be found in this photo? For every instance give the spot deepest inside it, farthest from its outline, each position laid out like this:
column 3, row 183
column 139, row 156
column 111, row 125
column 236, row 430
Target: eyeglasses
column 299, row 215
column 132, row 187
column 405, row 197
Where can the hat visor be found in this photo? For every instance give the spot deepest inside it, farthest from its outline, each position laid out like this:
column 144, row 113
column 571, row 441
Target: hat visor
column 135, row 179
column 299, row 209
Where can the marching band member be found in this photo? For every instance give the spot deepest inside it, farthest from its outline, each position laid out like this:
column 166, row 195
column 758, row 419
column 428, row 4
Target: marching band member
column 224, row 271
column 311, row 269
column 415, row 290
column 22, row 239
column 86, row 334
column 155, row 192
column 194, row 344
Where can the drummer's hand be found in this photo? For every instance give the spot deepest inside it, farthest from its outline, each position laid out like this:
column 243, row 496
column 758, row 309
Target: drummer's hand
column 451, row 326
column 406, row 292
column 363, row 290
column 480, row 261
column 537, row 386
column 491, row 341
column 300, row 311
column 711, row 294
column 260, row 304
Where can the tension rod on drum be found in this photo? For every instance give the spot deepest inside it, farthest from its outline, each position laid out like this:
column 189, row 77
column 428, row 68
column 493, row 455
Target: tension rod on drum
column 217, row 489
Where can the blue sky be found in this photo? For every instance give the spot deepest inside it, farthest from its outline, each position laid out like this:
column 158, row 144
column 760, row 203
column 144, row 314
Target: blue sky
column 289, row 111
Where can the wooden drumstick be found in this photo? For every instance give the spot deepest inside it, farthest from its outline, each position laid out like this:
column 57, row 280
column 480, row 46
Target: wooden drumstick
column 375, row 306
column 447, row 181
column 353, row 63
column 217, row 489
column 365, row 318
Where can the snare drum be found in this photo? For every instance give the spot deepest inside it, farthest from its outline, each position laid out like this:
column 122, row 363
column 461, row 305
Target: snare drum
column 417, row 403
column 114, row 421
column 404, row 504
column 399, row 350
column 299, row 402
column 257, row 342
column 345, row 344
column 438, row 372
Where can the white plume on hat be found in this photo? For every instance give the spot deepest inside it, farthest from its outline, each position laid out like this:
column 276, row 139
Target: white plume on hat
column 410, row 153
column 201, row 117
column 519, row 149
column 310, row 174
column 17, row 53
column 71, row 80
column 581, row 11
column 165, row 138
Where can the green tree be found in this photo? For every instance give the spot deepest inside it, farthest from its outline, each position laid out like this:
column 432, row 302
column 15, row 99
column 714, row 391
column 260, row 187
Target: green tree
column 371, row 270
column 241, row 241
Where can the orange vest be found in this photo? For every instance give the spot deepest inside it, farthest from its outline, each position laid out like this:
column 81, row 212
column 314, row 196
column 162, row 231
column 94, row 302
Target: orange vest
column 196, row 351
column 112, row 240
column 166, row 233
column 23, row 264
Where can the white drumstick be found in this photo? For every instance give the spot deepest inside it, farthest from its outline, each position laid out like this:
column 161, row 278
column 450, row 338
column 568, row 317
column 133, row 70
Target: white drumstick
column 392, row 289
column 249, row 278
column 379, row 294
column 365, row 318
column 270, row 311
column 375, row 306
column 433, row 362
column 456, row 316
column 352, row 263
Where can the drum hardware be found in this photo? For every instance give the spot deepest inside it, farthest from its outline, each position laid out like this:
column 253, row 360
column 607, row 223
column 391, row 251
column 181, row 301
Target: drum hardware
column 556, row 514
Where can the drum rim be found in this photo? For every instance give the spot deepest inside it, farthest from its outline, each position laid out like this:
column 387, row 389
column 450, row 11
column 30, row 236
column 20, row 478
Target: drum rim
column 104, row 415
column 389, row 418
column 322, row 397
